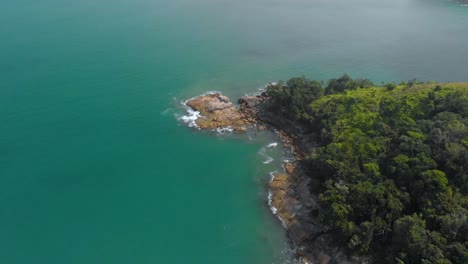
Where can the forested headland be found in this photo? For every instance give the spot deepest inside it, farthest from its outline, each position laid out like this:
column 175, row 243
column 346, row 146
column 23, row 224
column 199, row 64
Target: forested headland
column 392, row 162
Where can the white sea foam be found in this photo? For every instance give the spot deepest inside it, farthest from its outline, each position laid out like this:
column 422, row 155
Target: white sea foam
column 224, row 130
column 190, row 117
column 270, row 195
column 272, row 175
column 270, row 202
column 272, row 145
column 268, row 160
column 208, row 93
column 273, row 210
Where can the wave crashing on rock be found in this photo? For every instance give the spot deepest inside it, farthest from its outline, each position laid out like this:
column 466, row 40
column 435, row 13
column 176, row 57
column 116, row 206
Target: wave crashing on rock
column 215, row 111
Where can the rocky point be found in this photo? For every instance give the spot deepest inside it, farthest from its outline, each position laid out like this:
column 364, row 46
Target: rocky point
column 217, row 111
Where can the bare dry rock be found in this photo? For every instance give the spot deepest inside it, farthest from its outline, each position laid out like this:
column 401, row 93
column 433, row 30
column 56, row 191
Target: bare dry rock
column 217, row 111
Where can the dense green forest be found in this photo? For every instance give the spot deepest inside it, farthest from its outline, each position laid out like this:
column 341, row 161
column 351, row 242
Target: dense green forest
column 392, row 160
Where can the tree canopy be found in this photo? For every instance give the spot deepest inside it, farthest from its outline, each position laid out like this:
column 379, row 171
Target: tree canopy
column 392, row 161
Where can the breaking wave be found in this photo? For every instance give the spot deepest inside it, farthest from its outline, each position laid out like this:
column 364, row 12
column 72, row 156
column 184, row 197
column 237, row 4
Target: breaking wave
column 190, row 118
column 272, row 145
column 224, row 130
column 262, row 153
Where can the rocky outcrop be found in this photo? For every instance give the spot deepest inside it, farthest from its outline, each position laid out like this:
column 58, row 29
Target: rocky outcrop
column 217, row 111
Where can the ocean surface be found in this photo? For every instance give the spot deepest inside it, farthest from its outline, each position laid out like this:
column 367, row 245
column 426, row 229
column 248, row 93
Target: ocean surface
column 95, row 166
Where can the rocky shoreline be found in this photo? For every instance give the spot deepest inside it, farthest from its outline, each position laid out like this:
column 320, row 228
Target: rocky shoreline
column 290, row 195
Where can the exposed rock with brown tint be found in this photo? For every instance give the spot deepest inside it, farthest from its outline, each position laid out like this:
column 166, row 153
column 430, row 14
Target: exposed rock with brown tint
column 289, row 167
column 323, row 259
column 217, row 111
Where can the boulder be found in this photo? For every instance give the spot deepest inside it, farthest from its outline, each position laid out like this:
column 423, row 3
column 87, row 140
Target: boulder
column 249, row 101
column 323, row 259
column 297, row 234
column 289, row 168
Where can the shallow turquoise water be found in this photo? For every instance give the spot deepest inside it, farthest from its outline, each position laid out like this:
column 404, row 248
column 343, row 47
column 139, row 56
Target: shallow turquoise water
column 95, row 167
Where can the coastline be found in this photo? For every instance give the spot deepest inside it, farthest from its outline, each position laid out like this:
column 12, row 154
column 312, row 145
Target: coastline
column 289, row 193
column 292, row 200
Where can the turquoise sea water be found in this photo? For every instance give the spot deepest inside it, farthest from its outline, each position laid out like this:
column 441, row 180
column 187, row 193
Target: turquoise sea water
column 95, row 167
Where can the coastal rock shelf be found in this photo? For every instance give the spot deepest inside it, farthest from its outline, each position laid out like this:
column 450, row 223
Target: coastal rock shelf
column 217, row 111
